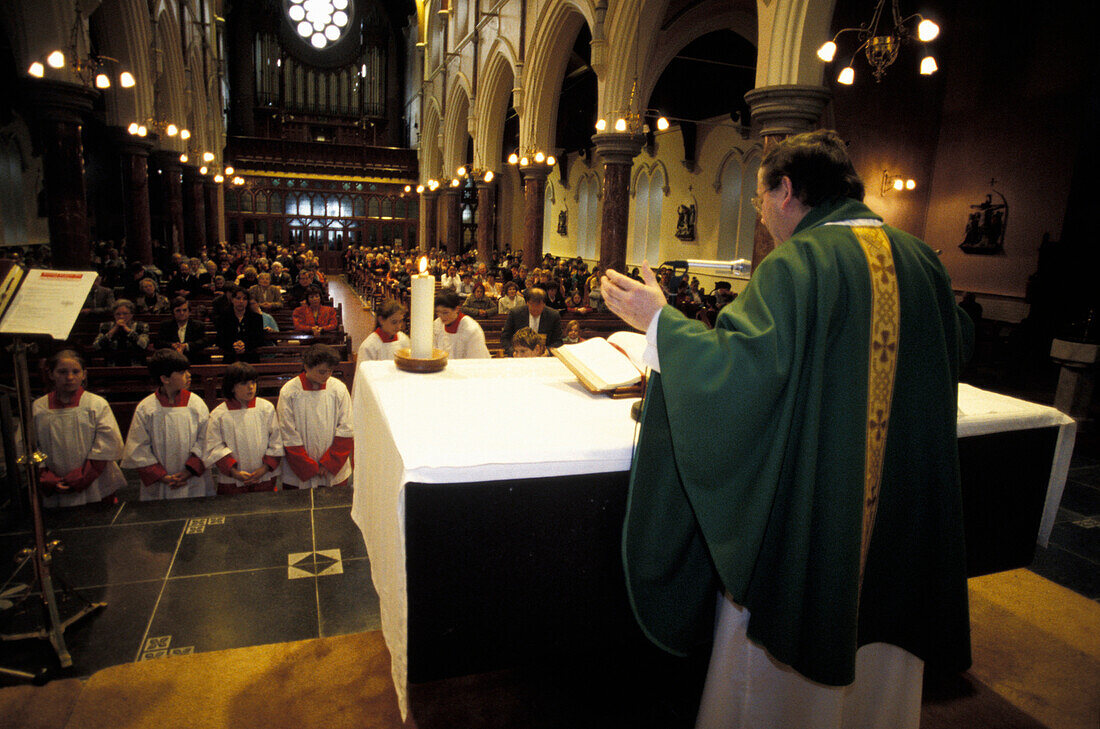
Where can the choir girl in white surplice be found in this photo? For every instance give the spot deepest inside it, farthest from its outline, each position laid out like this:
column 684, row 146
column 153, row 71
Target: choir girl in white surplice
column 383, row 342
column 167, row 438
column 80, row 437
column 242, row 438
column 315, row 420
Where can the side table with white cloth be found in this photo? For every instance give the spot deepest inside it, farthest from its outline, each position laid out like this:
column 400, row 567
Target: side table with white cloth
column 485, row 549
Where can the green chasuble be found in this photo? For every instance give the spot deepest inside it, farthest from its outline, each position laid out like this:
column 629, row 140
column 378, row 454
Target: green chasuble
column 749, row 470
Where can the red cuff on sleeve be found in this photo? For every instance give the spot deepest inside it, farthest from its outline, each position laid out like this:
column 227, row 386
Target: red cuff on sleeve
column 337, row 454
column 272, row 462
column 195, row 465
column 81, row 478
column 226, row 464
column 48, row 480
column 151, row 474
column 299, row 461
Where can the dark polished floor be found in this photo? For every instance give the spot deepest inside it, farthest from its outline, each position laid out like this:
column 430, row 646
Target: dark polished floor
column 197, row 575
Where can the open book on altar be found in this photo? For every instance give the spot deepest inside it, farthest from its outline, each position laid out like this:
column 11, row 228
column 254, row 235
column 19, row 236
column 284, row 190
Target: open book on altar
column 613, row 365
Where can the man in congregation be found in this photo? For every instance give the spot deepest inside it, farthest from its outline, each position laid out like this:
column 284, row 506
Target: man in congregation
column 544, row 320
column 797, row 465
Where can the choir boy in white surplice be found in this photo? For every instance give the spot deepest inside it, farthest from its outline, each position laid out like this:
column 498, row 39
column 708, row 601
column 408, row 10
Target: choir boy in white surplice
column 383, row 342
column 80, row 437
column 167, row 437
column 315, row 421
column 243, row 438
column 460, row 336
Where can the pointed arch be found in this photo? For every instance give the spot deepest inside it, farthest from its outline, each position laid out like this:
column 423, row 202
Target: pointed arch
column 554, row 33
column 456, row 126
column 431, row 160
column 497, row 81
column 647, row 170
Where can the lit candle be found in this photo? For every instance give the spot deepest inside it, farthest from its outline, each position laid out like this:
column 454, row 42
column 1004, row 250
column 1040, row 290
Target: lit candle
column 423, row 311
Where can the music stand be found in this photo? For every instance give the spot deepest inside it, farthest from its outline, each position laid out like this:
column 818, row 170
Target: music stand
column 58, row 290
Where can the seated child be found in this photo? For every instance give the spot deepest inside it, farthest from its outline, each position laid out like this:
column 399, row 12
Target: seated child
column 527, row 343
column 80, row 437
column 243, row 437
column 168, row 434
column 383, row 342
column 315, row 422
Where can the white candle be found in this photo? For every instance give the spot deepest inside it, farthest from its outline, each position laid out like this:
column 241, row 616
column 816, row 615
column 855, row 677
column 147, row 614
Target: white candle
column 423, row 312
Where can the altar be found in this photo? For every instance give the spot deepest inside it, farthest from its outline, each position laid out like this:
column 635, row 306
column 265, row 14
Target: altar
column 491, row 496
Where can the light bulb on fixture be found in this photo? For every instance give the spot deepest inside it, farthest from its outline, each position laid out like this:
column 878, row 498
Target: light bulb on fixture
column 910, row 184
column 408, row 188
column 37, row 70
column 142, row 130
column 847, row 76
column 927, row 30
column 102, row 82
column 513, row 158
column 56, row 59
column 172, row 130
column 461, row 171
column 620, row 125
column 523, row 161
column 229, row 171
column 662, row 124
column 203, row 170
column 550, row 161
column 454, row 182
column 899, row 184
column 219, row 179
column 207, row 156
column 419, row 189
column 133, row 128
column 488, row 176
column 539, row 156
column 185, row 134
column 184, row 158
column 928, row 66
column 827, row 51
column 126, row 80
column 601, row 125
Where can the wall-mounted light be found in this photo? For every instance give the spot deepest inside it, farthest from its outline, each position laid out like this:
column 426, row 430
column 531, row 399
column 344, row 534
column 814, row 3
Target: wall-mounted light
column 896, row 182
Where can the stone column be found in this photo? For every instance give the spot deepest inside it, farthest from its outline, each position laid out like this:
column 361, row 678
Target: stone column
column 779, row 112
column 194, row 211
column 429, row 216
column 170, row 190
column 450, row 217
column 617, row 152
column 134, row 161
column 60, row 108
column 210, row 204
column 534, row 204
column 486, row 220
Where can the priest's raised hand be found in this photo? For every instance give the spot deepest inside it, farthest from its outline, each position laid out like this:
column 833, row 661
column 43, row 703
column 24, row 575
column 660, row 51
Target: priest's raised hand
column 633, row 302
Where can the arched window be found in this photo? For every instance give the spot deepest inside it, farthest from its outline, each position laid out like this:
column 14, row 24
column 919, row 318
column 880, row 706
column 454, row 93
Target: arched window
column 588, row 217
column 736, row 217
column 547, row 212
column 12, row 217
column 648, row 198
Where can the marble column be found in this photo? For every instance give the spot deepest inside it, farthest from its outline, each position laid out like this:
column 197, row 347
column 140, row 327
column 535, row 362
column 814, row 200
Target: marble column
column 210, row 204
column 779, row 112
column 534, row 205
column 486, row 220
column 59, row 108
column 617, row 152
column 450, row 217
column 429, row 215
column 170, row 190
column 194, row 211
column 134, row 160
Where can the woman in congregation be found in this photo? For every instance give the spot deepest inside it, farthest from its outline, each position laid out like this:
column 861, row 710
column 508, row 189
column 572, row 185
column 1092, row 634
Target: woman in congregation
column 478, row 304
column 151, row 301
column 577, row 304
column 387, row 338
column 243, row 437
column 80, row 437
column 555, row 296
column 123, row 341
column 511, row 298
column 455, row 333
column 313, row 316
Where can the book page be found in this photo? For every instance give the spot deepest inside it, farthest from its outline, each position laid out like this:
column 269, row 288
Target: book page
column 605, row 366
column 48, row 302
column 633, row 344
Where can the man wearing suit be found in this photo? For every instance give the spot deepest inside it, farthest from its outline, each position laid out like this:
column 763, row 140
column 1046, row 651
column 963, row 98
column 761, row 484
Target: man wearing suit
column 182, row 333
column 536, row 315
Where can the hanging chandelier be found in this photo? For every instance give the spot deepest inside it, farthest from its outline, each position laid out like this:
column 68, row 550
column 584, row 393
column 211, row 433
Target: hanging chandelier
column 90, row 68
column 882, row 50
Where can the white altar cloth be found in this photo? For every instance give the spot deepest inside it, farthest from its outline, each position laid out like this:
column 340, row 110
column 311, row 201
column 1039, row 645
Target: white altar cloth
column 486, row 420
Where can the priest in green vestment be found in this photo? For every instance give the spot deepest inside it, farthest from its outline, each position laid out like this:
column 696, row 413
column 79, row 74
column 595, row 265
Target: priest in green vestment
column 797, row 465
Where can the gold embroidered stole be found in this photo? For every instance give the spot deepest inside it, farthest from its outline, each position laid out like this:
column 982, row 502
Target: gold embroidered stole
column 883, row 359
